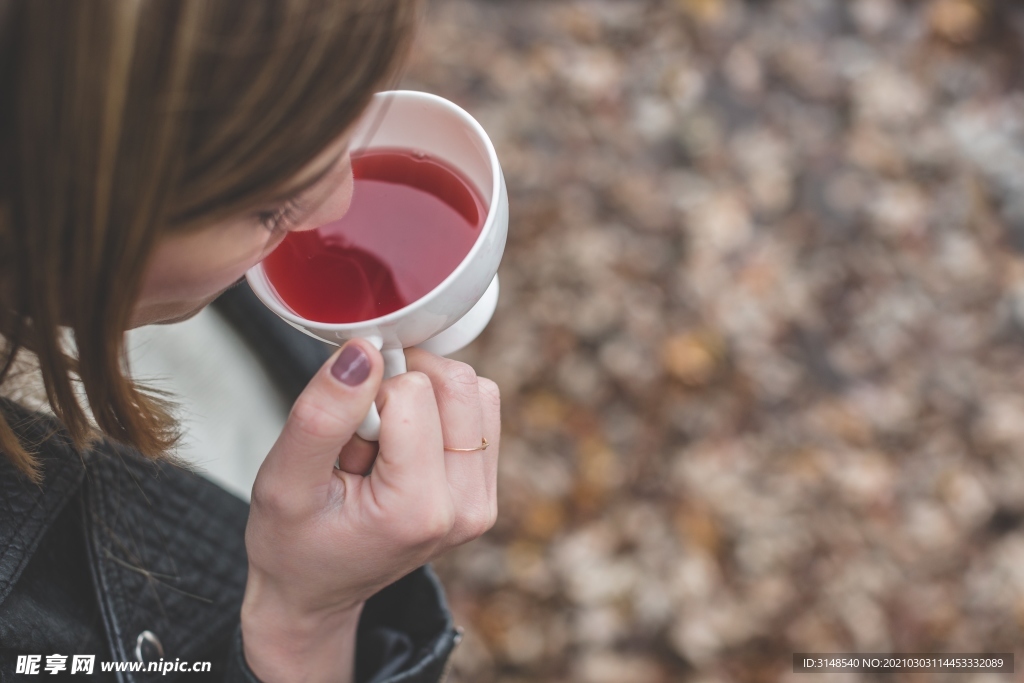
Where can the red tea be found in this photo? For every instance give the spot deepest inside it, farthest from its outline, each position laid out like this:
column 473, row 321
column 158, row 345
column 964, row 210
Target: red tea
column 412, row 221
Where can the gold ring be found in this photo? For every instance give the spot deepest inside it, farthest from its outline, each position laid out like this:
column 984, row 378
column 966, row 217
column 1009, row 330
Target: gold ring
column 482, row 447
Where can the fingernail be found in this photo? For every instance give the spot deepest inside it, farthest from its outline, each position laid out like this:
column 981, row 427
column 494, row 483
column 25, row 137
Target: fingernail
column 352, row 366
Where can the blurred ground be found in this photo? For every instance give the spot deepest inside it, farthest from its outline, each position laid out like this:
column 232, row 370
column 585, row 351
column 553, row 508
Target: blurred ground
column 760, row 336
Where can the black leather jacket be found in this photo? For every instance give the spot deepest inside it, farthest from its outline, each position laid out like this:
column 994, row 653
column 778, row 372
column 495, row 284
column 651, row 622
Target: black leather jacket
column 133, row 561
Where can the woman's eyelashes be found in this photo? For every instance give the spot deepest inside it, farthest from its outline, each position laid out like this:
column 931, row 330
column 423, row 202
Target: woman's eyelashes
column 281, row 219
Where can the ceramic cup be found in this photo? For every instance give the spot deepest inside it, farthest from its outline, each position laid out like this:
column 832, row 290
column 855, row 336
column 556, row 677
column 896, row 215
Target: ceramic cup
column 452, row 314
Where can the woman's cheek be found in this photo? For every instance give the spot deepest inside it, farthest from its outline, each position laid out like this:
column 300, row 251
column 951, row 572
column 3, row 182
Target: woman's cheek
column 269, row 247
column 198, row 265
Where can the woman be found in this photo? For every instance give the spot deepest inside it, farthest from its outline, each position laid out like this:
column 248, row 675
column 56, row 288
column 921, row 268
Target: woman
column 150, row 153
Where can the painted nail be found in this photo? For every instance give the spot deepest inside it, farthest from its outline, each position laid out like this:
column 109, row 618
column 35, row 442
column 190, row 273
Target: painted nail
column 352, row 366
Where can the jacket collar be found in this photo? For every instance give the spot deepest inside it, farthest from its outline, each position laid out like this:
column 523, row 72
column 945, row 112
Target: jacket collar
column 166, row 546
column 167, row 550
column 29, row 509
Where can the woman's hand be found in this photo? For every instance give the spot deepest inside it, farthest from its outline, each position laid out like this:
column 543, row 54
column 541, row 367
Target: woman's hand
column 321, row 540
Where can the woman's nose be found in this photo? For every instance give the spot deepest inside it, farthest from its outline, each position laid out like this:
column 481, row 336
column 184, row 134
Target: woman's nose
column 338, row 188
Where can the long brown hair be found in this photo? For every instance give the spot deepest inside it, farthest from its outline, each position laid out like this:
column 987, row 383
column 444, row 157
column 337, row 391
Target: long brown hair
column 121, row 121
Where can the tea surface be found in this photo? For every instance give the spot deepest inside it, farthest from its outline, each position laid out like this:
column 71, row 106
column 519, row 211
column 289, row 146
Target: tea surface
column 412, row 221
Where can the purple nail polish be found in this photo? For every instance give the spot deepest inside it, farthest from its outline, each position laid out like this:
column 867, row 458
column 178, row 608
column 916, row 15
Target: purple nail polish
column 352, row 366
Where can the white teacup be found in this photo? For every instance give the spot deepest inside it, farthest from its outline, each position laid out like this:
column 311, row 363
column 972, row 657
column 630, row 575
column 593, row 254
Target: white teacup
column 452, row 314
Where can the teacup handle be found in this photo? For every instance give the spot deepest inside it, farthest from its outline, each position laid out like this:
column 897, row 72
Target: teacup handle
column 394, row 364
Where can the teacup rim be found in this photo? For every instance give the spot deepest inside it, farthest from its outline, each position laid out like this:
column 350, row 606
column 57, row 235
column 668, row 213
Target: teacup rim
column 492, row 211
